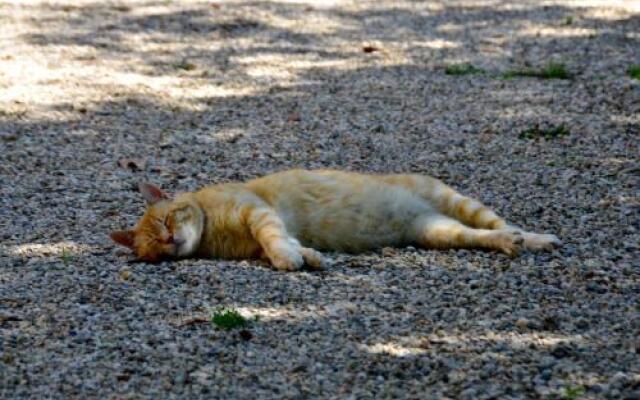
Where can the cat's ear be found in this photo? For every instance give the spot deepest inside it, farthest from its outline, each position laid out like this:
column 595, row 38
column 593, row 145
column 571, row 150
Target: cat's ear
column 124, row 238
column 151, row 193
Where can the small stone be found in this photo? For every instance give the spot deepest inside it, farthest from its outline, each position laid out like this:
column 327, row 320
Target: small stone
column 125, row 273
column 598, row 388
column 522, row 323
column 561, row 351
column 619, row 378
column 245, row 334
column 389, row 252
column 469, row 393
column 582, row 323
column 550, row 323
column 545, row 375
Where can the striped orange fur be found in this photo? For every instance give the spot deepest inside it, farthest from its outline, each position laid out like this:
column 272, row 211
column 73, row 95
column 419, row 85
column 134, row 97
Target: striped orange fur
column 288, row 216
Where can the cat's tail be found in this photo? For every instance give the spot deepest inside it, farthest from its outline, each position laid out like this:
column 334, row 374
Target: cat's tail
column 448, row 201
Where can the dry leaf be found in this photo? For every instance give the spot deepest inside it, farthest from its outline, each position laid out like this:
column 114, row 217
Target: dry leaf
column 294, row 117
column 369, row 48
column 134, row 164
column 125, row 274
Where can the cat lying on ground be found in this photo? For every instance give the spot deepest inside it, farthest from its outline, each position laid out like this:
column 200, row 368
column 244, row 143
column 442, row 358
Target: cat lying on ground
column 287, row 216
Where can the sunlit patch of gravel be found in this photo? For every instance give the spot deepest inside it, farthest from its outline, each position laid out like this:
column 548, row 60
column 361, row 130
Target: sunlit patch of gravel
column 96, row 97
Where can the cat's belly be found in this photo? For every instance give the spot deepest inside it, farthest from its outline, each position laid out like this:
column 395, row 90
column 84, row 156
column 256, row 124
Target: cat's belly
column 354, row 220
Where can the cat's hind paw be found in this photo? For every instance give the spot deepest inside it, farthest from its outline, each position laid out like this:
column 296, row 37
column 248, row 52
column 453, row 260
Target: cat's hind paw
column 541, row 241
column 509, row 241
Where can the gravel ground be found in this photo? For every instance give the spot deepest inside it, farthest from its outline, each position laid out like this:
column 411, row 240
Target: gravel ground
column 98, row 96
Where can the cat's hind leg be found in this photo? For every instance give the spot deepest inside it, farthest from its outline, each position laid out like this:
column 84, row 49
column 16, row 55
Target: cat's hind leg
column 440, row 231
column 448, row 201
column 475, row 214
column 469, row 211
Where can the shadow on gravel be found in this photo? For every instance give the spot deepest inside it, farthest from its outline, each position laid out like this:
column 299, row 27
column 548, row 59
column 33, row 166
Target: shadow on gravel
column 441, row 323
column 199, row 34
column 320, row 124
column 424, row 329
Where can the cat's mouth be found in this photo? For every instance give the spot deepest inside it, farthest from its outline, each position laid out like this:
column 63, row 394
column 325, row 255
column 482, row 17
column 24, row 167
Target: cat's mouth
column 153, row 259
column 178, row 246
column 173, row 250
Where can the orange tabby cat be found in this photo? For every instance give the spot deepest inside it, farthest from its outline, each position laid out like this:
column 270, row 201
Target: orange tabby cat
column 283, row 217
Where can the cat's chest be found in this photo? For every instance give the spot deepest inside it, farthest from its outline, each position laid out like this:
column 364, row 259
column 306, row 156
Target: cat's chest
column 222, row 240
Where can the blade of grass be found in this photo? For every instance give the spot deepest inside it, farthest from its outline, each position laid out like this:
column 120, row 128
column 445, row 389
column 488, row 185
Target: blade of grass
column 228, row 318
column 551, row 132
column 550, row 71
column 462, row 69
column 634, row 71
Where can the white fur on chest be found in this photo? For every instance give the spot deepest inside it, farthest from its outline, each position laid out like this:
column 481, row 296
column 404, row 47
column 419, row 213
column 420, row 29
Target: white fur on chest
column 188, row 239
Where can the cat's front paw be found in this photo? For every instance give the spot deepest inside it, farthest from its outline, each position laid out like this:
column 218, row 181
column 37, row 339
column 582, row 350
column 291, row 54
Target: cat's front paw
column 313, row 258
column 286, row 259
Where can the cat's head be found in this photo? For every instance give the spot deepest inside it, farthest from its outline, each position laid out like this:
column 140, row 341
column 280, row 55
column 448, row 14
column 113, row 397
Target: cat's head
column 168, row 229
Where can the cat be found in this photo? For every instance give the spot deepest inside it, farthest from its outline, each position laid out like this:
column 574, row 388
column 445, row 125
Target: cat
column 286, row 217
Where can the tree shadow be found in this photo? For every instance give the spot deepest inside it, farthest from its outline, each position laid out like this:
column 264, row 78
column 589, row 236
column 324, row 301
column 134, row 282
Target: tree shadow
column 401, row 330
column 202, row 28
column 418, row 322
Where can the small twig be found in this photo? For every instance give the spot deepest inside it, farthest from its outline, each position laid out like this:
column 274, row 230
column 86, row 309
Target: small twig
column 196, row 319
